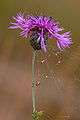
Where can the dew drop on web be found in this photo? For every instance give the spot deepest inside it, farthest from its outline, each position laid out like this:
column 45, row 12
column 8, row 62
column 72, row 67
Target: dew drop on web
column 46, row 65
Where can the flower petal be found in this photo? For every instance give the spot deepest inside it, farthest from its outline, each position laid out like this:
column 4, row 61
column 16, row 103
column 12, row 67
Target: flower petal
column 43, row 46
column 63, row 40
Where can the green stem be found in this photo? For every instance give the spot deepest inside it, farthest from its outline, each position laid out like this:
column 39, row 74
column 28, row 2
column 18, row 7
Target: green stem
column 33, row 81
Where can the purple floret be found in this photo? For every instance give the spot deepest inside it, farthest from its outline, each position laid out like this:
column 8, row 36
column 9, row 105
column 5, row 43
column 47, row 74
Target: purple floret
column 43, row 25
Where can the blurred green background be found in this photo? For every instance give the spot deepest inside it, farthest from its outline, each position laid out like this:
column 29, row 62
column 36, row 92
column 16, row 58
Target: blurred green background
column 58, row 94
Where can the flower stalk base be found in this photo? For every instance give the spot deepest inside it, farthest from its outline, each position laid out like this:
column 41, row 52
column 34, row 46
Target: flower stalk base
column 37, row 115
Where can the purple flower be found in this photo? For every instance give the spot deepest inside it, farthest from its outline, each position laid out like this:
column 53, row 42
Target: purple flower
column 39, row 29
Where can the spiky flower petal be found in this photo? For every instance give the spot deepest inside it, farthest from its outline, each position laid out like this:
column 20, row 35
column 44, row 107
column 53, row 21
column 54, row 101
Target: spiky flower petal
column 42, row 25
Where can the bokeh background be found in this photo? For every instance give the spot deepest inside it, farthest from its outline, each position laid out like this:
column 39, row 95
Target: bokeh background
column 58, row 94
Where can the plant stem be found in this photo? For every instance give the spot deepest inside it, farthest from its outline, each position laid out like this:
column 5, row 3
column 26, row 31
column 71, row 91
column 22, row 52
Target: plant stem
column 33, row 81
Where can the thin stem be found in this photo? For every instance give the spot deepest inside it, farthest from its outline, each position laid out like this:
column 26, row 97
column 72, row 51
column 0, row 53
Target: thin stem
column 33, row 81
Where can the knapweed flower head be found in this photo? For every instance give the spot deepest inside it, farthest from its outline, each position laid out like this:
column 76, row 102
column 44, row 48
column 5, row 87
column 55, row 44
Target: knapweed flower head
column 39, row 29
